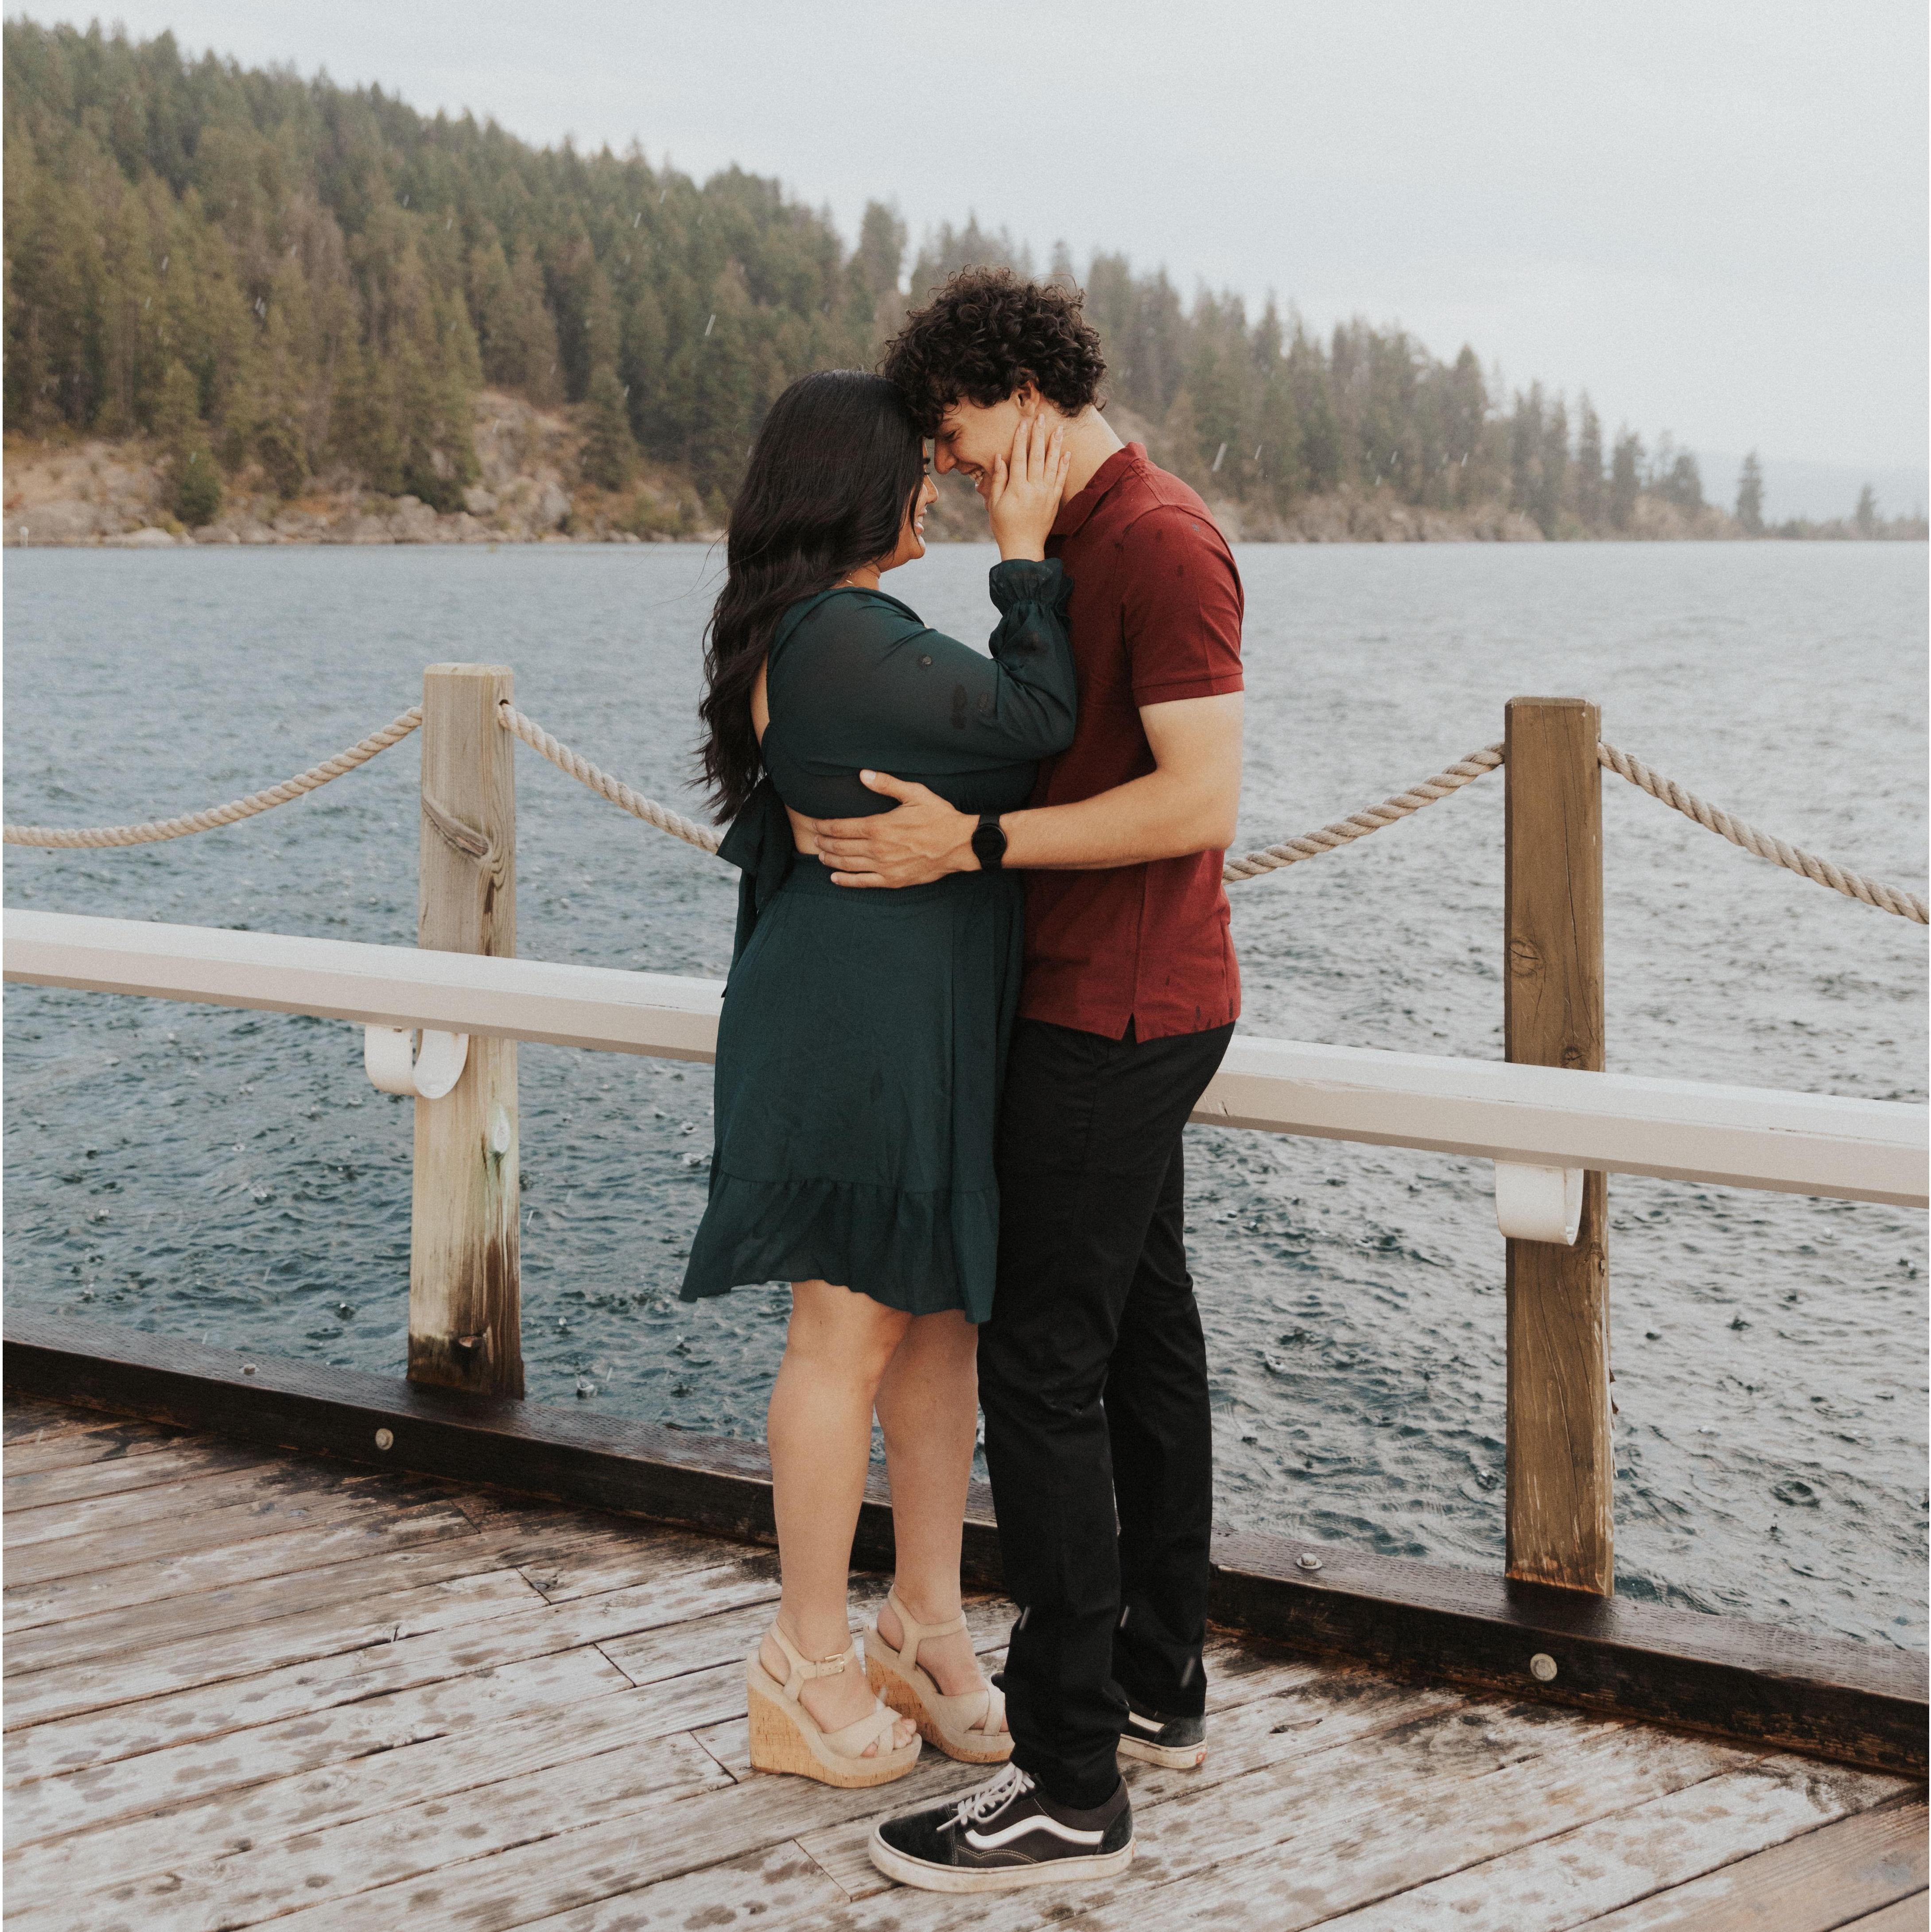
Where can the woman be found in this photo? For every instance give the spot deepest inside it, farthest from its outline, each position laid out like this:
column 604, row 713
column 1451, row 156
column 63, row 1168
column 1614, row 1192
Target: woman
column 862, row 1044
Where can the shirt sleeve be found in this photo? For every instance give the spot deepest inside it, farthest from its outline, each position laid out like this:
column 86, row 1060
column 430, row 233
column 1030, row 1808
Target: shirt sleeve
column 1181, row 608
column 893, row 692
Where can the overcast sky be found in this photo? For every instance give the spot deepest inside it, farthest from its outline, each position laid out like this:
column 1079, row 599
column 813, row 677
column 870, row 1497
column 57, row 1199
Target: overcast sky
column 1711, row 215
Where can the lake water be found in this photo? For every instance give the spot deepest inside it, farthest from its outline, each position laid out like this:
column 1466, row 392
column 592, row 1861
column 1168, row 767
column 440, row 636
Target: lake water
column 233, row 1177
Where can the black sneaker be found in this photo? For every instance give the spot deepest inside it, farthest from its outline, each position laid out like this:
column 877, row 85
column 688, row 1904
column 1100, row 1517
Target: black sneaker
column 1179, row 1744
column 1006, row 1834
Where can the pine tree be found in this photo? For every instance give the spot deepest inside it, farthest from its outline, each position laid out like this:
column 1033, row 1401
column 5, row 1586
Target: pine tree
column 493, row 302
column 1181, row 441
column 722, row 390
column 1466, row 410
column 1589, row 467
column 1866, row 517
column 1277, row 453
column 363, row 429
column 1553, row 464
column 194, row 484
column 609, row 452
column 535, row 355
column 1625, row 479
column 1750, row 495
column 881, row 248
column 643, row 367
column 1682, row 483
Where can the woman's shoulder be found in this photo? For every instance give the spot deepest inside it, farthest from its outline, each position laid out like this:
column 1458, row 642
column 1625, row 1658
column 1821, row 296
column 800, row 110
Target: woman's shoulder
column 847, row 612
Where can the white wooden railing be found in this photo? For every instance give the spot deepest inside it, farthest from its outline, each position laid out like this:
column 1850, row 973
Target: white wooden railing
column 1540, row 1116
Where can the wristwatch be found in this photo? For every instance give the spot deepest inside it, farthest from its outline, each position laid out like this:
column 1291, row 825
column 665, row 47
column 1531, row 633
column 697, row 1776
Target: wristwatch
column 988, row 842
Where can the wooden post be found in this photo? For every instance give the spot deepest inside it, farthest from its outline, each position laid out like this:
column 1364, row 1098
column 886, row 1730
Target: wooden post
column 465, row 1313
column 1560, row 1459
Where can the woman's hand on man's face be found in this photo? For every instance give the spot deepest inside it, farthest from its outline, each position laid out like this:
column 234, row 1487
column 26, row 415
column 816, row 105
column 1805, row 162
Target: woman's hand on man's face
column 1022, row 494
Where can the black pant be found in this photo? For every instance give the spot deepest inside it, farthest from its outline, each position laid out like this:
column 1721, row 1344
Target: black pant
column 1092, row 1375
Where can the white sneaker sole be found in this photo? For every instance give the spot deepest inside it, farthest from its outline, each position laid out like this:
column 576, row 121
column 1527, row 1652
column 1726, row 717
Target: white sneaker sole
column 1182, row 1757
column 902, row 1870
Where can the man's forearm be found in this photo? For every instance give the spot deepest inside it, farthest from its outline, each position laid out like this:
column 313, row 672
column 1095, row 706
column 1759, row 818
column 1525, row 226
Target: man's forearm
column 1158, row 816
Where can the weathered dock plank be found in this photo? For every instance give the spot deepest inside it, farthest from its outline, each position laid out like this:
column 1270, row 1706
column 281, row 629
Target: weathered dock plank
column 1911, row 1915
column 94, row 1636
column 340, row 1498
column 1872, row 1862
column 254, row 1650
column 378, row 1529
column 182, row 1840
column 1771, row 1687
column 168, row 1780
column 1634, row 1854
column 456, row 1709
column 106, row 1475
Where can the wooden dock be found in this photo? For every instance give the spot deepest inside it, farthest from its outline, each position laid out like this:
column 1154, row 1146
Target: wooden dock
column 244, row 1686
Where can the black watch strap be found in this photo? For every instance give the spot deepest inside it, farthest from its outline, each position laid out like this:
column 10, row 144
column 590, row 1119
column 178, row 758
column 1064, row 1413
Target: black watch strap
column 988, row 842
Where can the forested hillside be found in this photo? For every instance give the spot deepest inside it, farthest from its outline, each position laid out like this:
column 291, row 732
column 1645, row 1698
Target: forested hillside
column 286, row 283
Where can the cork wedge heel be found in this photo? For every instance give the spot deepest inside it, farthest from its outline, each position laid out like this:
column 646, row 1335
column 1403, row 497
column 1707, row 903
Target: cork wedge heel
column 785, row 1737
column 969, row 1726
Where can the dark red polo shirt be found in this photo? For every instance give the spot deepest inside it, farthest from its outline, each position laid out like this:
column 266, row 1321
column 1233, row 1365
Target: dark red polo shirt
column 1154, row 616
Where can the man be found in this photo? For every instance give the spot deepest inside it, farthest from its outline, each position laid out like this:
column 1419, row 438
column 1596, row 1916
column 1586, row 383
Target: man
column 1093, row 1369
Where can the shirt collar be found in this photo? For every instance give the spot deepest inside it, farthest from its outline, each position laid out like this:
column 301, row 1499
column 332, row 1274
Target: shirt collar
column 1072, row 516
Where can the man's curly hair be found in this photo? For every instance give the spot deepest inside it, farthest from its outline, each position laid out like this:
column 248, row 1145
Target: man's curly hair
column 986, row 333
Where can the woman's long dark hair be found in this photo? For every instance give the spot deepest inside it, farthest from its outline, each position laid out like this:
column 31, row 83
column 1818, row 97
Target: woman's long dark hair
column 837, row 465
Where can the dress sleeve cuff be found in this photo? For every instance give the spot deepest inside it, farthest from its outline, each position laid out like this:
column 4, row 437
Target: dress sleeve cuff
column 1021, row 580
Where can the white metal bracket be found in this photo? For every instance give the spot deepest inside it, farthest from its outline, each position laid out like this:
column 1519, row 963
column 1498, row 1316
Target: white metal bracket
column 1538, row 1204
column 395, row 1066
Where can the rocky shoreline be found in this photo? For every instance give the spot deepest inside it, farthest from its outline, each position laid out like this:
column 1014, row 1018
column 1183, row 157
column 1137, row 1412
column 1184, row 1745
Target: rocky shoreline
column 96, row 493
column 112, row 494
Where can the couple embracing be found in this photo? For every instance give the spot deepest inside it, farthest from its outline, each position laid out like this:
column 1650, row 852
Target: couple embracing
column 982, row 972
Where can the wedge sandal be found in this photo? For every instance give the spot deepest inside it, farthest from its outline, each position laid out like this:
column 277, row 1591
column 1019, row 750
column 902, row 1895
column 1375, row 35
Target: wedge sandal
column 969, row 1727
column 785, row 1737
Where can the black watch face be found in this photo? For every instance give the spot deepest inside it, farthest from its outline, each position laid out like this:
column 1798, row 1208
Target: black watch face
column 988, row 842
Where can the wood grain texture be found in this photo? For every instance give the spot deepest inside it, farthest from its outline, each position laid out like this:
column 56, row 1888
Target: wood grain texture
column 27, row 1490
column 378, row 1530
column 214, row 1710
column 1560, row 1457
column 631, row 1778
column 1635, row 1853
column 214, row 1826
column 1909, row 1915
column 118, row 1512
column 503, row 1771
column 93, row 1637
column 166, row 1777
column 317, row 1498
column 199, row 1659
column 1861, row 1703
column 781, row 1884
column 1816, row 1883
column 83, row 1439
column 464, row 1307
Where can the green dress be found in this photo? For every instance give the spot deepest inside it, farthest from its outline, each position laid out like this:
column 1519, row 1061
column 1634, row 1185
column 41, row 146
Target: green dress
column 863, row 1039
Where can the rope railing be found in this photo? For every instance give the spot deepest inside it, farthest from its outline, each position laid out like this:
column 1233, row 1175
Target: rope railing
column 1791, row 858
column 618, row 793
column 153, row 831
column 1360, row 824
column 1236, row 870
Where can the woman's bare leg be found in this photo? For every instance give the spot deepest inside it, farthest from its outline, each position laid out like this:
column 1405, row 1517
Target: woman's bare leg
column 836, row 1350
column 927, row 1404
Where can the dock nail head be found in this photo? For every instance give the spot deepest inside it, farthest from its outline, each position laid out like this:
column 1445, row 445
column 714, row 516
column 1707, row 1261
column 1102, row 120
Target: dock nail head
column 1307, row 1560
column 248, row 1368
column 385, row 1439
column 1542, row 1667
